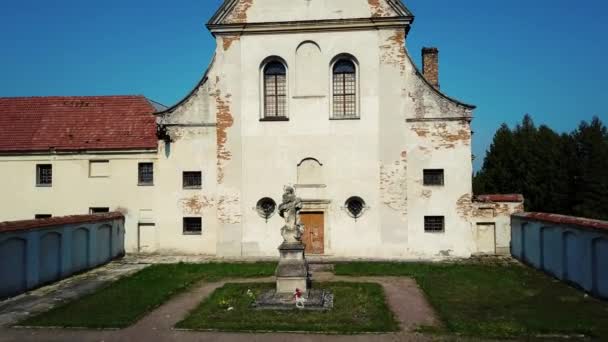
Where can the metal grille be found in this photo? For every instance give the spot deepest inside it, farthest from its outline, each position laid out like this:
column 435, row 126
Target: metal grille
column 193, row 225
column 345, row 90
column 433, row 177
column 146, row 174
column 44, row 175
column 434, row 224
column 193, row 180
column 275, row 90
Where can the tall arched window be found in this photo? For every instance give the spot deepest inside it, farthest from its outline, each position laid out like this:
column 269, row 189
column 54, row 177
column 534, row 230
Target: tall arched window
column 275, row 90
column 344, row 89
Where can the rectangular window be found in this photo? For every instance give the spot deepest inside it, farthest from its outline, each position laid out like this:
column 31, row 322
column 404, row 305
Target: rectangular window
column 345, row 96
column 44, row 175
column 193, row 225
column 99, row 168
column 193, row 180
column 434, row 224
column 433, row 177
column 99, row 210
column 275, row 96
column 42, row 216
column 146, row 174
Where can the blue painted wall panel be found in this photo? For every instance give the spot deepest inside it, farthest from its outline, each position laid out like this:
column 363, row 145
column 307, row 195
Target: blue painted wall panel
column 600, row 255
column 50, row 258
column 80, row 250
column 13, row 267
column 104, row 244
column 573, row 254
column 31, row 258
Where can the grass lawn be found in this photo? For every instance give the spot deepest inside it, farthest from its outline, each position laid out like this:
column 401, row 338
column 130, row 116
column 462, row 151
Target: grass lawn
column 497, row 300
column 125, row 301
column 358, row 307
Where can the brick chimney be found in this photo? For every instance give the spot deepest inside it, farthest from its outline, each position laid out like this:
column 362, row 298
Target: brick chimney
column 430, row 65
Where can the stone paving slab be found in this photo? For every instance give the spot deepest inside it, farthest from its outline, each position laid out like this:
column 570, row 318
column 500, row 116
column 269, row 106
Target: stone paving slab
column 403, row 294
column 45, row 298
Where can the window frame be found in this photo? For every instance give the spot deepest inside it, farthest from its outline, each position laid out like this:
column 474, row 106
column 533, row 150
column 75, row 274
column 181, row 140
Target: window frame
column 99, row 210
column 357, row 87
column 139, row 174
column 192, row 187
column 192, row 232
column 264, row 116
column 429, row 173
column 433, row 230
column 100, row 161
column 39, row 182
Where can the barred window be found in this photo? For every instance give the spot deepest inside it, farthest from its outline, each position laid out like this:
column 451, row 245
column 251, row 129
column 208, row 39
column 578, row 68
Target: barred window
column 193, row 180
column 146, row 174
column 433, row 177
column 344, row 90
column 44, row 175
column 275, row 91
column 193, row 225
column 434, row 224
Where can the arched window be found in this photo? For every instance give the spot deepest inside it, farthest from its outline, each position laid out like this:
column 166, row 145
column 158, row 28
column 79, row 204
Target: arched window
column 275, row 90
column 344, row 89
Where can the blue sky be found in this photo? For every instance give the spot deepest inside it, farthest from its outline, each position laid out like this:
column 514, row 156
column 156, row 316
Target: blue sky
column 543, row 57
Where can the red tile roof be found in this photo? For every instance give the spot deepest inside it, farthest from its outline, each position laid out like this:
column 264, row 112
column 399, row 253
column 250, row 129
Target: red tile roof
column 36, row 124
column 501, row 198
column 566, row 220
column 57, row 221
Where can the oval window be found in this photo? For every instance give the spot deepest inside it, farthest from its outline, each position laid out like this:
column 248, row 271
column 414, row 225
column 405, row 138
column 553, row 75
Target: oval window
column 355, row 206
column 266, row 207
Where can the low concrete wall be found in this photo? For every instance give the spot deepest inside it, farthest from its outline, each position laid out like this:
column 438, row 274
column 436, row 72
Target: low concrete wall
column 38, row 252
column 572, row 249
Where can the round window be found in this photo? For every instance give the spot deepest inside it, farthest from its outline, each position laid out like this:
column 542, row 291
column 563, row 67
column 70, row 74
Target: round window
column 266, row 207
column 355, row 206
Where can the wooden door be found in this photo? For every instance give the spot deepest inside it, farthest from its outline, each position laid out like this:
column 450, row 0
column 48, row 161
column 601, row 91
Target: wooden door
column 314, row 232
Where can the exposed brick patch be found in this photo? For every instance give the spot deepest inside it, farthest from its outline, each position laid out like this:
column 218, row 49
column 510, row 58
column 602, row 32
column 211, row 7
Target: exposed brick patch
column 442, row 135
column 228, row 40
column 194, row 205
column 225, row 120
column 229, row 208
column 464, row 206
column 565, row 220
column 393, row 50
column 393, row 184
column 58, row 221
column 239, row 13
column 380, row 8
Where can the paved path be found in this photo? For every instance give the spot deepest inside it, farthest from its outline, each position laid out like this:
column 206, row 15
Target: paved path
column 404, row 297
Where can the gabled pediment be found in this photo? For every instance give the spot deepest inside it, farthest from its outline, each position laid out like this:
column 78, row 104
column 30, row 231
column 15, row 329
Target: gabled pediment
column 234, row 12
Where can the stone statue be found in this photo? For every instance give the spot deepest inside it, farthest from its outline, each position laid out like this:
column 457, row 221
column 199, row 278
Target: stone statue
column 289, row 210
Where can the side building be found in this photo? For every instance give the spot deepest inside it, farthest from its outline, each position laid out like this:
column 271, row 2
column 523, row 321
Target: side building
column 63, row 156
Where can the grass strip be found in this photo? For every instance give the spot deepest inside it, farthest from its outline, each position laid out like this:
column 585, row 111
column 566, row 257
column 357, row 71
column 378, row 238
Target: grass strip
column 358, row 308
column 127, row 300
column 497, row 300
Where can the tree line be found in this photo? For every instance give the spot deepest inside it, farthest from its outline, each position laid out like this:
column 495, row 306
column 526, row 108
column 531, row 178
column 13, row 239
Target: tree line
column 557, row 173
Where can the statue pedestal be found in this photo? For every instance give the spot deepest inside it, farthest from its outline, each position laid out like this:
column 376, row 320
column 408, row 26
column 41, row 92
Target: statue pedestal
column 292, row 271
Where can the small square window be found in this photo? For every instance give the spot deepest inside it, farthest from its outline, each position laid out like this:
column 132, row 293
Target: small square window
column 99, row 168
column 42, row 216
column 146, row 174
column 44, row 175
column 433, row 177
column 434, row 224
column 193, row 225
column 99, row 210
column 193, row 180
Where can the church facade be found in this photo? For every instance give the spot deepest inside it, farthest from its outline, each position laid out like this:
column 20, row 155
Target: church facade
column 322, row 96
